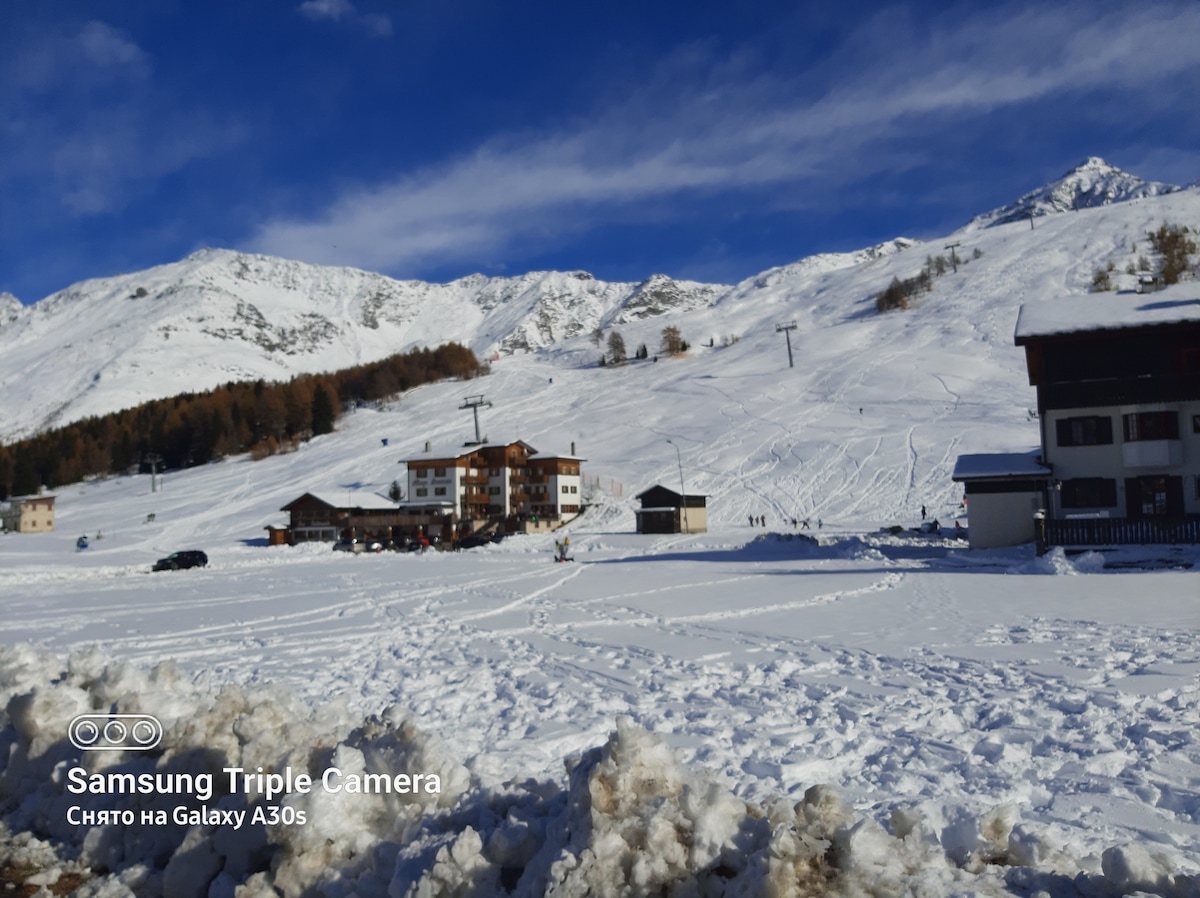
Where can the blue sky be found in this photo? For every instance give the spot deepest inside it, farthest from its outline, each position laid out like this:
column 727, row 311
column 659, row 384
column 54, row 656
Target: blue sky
column 705, row 140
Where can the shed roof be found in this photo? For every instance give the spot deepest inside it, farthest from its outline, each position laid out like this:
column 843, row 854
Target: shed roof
column 659, row 496
column 999, row 465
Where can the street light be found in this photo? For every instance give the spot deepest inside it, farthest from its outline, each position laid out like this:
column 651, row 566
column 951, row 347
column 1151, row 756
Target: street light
column 682, row 491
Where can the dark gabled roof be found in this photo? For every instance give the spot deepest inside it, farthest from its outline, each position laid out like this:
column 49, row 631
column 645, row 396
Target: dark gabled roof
column 358, row 499
column 659, row 496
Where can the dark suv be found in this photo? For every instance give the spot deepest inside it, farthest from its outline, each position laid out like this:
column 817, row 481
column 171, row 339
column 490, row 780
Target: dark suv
column 180, row 561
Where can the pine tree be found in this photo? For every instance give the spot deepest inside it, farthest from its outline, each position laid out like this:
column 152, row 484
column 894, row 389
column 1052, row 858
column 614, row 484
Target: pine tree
column 322, row 410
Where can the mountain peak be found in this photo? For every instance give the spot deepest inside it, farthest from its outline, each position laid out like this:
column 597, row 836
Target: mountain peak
column 1093, row 182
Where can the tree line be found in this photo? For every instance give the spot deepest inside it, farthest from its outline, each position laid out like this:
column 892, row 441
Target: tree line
column 191, row 429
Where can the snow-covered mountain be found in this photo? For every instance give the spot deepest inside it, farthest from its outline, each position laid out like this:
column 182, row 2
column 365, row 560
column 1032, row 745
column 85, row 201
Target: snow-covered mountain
column 220, row 315
column 1091, row 183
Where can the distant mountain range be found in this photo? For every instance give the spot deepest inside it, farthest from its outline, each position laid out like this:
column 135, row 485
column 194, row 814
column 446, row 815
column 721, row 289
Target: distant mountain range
column 220, row 315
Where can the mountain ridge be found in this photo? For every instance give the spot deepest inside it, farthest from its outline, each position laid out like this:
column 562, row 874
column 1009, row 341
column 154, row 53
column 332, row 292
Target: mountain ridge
column 1089, row 184
column 111, row 343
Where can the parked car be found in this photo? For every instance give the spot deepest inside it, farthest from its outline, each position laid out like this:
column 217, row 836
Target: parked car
column 349, row 545
column 181, row 561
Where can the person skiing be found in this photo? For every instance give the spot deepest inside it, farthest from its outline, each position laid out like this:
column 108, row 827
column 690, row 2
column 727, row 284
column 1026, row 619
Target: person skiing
column 820, row 523
column 922, row 512
column 558, row 550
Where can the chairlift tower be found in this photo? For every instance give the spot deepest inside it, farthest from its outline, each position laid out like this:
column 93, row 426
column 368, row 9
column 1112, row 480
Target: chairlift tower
column 154, row 460
column 787, row 329
column 475, row 403
column 953, row 257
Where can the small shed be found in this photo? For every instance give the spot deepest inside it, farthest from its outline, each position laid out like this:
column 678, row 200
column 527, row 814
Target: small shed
column 666, row 511
column 1004, row 491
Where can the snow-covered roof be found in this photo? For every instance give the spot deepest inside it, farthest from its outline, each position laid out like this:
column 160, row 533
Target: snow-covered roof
column 547, row 456
column 336, row 498
column 443, row 452
column 999, row 464
column 1108, row 311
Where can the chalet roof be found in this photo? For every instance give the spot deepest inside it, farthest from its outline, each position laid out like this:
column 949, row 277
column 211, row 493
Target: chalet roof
column 1178, row 303
column 551, row 456
column 21, row 500
column 336, row 498
column 442, row 452
column 1000, row 465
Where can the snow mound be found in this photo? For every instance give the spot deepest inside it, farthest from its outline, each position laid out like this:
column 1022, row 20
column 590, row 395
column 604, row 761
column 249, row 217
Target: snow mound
column 632, row 819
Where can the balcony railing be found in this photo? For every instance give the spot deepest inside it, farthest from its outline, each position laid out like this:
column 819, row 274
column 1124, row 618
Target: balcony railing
column 1123, row 531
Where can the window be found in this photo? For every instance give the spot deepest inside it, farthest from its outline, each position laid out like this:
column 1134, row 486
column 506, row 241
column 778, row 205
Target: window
column 565, row 490
column 1155, row 496
column 1151, row 426
column 494, row 472
column 574, row 489
column 439, row 472
column 439, row 491
column 1089, row 492
column 422, row 491
column 1089, row 430
column 421, row 472
column 494, row 490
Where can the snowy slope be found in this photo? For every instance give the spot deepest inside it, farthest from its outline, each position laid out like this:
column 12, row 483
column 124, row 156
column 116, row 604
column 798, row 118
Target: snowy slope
column 1091, row 183
column 112, row 343
column 986, row 723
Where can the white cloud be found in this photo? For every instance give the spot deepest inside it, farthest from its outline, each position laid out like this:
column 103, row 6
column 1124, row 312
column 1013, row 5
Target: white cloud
column 376, row 24
column 326, row 9
column 893, row 81
column 83, row 124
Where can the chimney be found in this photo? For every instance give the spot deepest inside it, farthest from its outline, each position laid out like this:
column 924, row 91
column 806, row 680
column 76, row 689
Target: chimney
column 572, row 447
column 428, row 447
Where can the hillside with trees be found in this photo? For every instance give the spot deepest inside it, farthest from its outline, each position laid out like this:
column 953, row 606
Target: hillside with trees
column 190, row 429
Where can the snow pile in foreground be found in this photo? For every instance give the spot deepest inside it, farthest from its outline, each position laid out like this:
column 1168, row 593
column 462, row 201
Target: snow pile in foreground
column 631, row 821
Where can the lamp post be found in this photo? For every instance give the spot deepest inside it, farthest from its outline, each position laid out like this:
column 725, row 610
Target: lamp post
column 682, row 491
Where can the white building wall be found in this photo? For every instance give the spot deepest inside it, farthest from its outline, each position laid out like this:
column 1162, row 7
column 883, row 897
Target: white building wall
column 998, row 520
column 1119, row 460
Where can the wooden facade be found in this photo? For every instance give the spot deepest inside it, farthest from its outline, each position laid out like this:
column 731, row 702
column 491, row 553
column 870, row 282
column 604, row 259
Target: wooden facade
column 507, row 486
column 666, row 511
